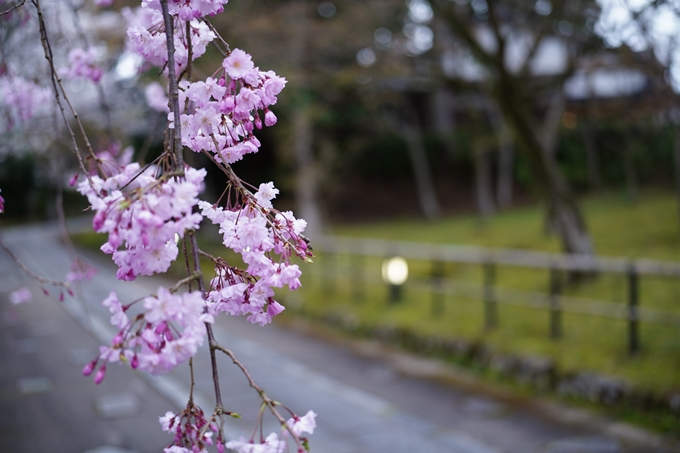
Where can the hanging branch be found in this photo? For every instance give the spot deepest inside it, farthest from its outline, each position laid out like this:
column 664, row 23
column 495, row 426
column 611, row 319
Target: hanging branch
column 57, row 87
column 30, row 273
column 176, row 143
column 18, row 5
column 271, row 404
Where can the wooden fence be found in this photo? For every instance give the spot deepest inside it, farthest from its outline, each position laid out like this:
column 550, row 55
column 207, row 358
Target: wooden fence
column 490, row 259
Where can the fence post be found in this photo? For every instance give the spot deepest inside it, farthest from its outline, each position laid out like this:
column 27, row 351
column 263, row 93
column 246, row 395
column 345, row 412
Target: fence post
column 437, row 277
column 555, row 309
column 633, row 294
column 490, row 308
column 330, row 274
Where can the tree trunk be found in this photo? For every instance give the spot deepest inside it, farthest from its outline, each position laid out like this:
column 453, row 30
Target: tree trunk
column 551, row 184
column 676, row 153
column 592, row 158
column 483, row 181
column 506, row 162
column 306, row 175
column 427, row 195
column 629, row 169
column 306, row 171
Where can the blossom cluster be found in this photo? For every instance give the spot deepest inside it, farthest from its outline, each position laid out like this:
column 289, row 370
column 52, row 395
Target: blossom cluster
column 258, row 233
column 145, row 214
column 80, row 271
column 153, row 341
column 82, row 64
column 272, row 443
column 224, row 110
column 146, row 211
column 190, row 428
column 189, row 9
column 147, row 38
column 23, row 98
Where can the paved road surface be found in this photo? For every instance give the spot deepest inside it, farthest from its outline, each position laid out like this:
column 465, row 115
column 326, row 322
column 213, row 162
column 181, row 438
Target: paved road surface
column 369, row 400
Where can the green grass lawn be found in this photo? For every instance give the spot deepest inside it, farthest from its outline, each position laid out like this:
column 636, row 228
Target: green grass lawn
column 647, row 228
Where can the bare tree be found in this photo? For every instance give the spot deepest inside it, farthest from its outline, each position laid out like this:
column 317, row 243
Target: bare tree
column 493, row 33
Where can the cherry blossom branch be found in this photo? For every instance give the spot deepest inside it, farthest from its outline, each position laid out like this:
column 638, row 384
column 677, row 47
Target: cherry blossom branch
column 56, row 81
column 184, row 281
column 214, row 30
column 271, row 404
column 208, row 327
column 176, row 144
column 193, row 383
column 187, row 265
column 18, row 5
column 30, row 273
column 61, row 220
column 190, row 51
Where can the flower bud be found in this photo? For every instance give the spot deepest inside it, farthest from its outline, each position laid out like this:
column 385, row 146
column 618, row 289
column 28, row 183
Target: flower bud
column 160, row 328
column 98, row 221
column 226, row 105
column 99, row 377
column 72, row 182
column 269, row 118
column 87, row 370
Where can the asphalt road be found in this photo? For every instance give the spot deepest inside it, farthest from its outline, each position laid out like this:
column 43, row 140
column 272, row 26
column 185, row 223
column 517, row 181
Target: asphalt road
column 369, row 399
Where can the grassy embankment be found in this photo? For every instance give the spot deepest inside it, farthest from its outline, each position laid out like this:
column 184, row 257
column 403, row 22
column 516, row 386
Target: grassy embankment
column 648, row 228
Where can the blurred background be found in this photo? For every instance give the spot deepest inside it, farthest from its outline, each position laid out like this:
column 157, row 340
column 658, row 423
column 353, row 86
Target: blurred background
column 503, row 134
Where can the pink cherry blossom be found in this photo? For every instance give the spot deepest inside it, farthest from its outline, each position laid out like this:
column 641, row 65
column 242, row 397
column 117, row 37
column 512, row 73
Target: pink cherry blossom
column 156, row 97
column 146, row 218
column 22, row 98
column 20, row 296
column 238, row 63
column 82, row 64
column 305, row 424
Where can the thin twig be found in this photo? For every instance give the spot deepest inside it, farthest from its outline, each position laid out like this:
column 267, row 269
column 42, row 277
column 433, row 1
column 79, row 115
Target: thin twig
column 193, row 383
column 56, row 81
column 214, row 30
column 18, row 5
column 271, row 404
column 184, row 281
column 30, row 273
column 208, row 327
column 53, row 72
column 186, row 258
column 190, row 59
column 176, row 143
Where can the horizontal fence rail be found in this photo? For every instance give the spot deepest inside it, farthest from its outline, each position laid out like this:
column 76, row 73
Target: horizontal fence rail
column 480, row 255
column 551, row 301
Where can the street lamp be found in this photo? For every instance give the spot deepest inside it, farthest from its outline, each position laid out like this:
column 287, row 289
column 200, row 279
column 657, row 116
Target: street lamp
column 395, row 273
